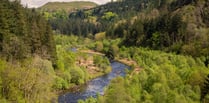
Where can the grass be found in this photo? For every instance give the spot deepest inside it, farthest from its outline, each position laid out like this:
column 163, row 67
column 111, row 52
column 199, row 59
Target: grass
column 68, row 6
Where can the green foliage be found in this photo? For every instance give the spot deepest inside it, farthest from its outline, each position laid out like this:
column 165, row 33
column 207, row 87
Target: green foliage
column 97, row 19
column 103, row 63
column 69, row 41
column 163, row 77
column 109, row 16
column 24, row 33
column 67, row 6
column 66, row 59
column 28, row 55
column 169, row 25
column 117, row 87
column 114, row 49
column 77, row 76
column 204, row 90
column 100, row 36
column 60, row 83
column 89, row 100
column 59, row 14
column 28, row 51
column 29, row 81
column 99, row 46
column 68, row 71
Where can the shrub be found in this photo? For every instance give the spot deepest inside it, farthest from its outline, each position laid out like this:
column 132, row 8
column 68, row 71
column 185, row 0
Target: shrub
column 31, row 83
column 99, row 46
column 100, row 36
column 114, row 49
column 60, row 83
column 78, row 76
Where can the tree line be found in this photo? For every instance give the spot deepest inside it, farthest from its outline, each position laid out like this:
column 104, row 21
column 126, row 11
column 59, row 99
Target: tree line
column 170, row 25
column 181, row 27
column 24, row 33
column 27, row 55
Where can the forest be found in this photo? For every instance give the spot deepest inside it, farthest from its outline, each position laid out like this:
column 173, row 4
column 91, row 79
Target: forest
column 169, row 25
column 44, row 53
column 28, row 54
column 35, row 64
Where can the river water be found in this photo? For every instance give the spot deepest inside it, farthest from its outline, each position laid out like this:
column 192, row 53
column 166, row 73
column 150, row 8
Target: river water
column 95, row 86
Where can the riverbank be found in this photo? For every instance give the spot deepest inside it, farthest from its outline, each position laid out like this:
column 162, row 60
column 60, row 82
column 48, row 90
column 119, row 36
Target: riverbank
column 95, row 86
column 94, row 64
column 92, row 52
column 130, row 63
column 88, row 63
column 125, row 61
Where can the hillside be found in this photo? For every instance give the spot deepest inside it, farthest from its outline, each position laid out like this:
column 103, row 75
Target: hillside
column 68, row 6
column 34, row 63
column 164, row 43
column 169, row 25
column 27, row 49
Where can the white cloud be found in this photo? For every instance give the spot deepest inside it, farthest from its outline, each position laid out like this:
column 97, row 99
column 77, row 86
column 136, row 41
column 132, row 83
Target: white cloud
column 38, row 3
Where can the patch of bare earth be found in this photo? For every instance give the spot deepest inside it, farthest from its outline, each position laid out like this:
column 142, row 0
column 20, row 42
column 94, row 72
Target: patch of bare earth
column 88, row 64
column 92, row 52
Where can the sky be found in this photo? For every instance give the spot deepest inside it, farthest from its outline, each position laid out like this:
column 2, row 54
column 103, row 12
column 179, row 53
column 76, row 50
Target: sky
column 38, row 3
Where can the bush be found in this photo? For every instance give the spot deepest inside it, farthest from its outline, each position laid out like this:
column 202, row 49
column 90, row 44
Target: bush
column 99, row 46
column 103, row 63
column 114, row 49
column 100, row 36
column 117, row 87
column 60, row 83
column 108, row 70
column 78, row 76
column 29, row 82
column 88, row 100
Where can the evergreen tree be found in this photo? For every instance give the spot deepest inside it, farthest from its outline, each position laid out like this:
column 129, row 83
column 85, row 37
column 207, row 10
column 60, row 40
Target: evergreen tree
column 24, row 32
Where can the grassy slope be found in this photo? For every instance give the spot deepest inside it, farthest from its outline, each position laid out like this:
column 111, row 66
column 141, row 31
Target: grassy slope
column 68, row 6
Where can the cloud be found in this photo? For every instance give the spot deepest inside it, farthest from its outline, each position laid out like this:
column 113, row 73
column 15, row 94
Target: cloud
column 38, row 3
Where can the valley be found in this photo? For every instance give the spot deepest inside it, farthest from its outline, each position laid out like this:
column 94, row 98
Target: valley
column 126, row 51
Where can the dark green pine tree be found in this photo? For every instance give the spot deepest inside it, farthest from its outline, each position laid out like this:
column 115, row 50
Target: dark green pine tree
column 205, row 89
column 35, row 38
column 24, row 32
column 4, row 22
column 50, row 44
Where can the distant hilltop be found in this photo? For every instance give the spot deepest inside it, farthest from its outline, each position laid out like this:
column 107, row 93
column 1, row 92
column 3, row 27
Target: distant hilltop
column 68, row 6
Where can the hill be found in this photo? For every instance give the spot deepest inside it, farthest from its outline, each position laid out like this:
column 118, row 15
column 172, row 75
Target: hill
column 68, row 6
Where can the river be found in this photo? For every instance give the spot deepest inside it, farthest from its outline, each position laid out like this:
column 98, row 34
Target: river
column 95, row 86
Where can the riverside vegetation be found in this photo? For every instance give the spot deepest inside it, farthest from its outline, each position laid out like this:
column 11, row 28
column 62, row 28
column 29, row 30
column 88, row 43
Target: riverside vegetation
column 35, row 64
column 163, row 77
